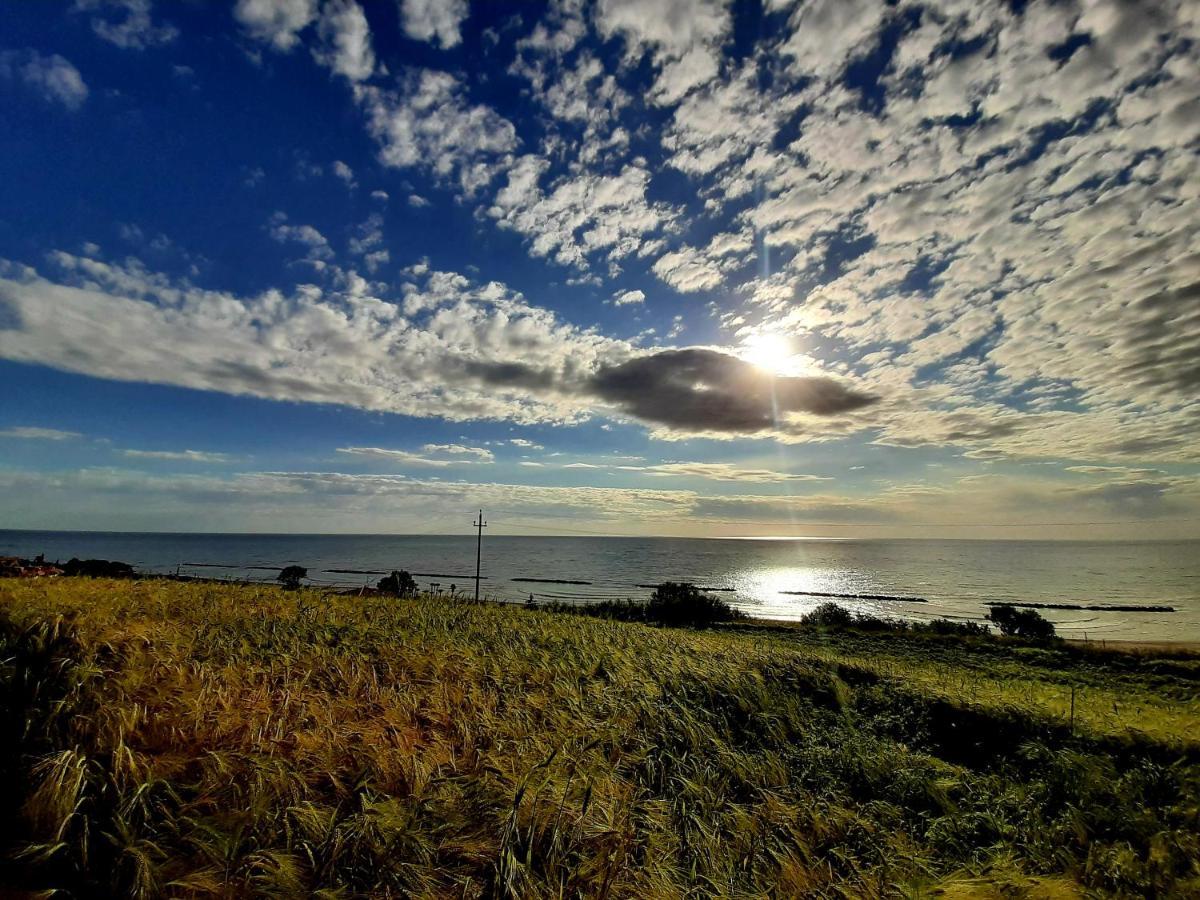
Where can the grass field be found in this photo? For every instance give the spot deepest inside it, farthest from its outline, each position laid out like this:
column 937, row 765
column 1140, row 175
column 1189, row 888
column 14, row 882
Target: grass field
column 162, row 738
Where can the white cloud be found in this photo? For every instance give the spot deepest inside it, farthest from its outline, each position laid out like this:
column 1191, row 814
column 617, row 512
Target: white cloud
column 317, row 244
column 526, row 444
column 674, row 26
column 345, row 40
column 277, row 22
column 684, row 35
column 580, row 215
column 428, row 123
column 826, row 34
column 687, row 271
column 127, row 23
column 35, row 433
column 352, row 503
column 435, row 21
column 466, row 352
column 481, row 454
column 432, row 455
column 344, row 173
column 629, row 298
column 52, row 77
column 719, row 472
column 197, row 456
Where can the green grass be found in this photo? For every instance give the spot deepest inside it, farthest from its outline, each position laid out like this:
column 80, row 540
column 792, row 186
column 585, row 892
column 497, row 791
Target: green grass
column 174, row 739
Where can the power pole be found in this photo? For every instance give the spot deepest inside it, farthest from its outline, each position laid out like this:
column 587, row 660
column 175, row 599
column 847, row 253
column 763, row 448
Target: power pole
column 479, row 526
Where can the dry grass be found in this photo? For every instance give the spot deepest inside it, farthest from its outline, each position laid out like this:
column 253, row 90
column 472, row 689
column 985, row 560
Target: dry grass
column 200, row 740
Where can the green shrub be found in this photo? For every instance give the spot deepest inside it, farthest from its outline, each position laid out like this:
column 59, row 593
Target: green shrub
column 838, row 618
column 672, row 603
column 828, row 615
column 948, row 626
column 1022, row 623
column 675, row 603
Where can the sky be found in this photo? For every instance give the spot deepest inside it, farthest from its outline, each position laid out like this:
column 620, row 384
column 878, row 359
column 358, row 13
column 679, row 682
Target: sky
column 651, row 267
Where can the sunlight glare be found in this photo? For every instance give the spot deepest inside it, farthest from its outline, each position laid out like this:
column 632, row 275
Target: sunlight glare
column 771, row 351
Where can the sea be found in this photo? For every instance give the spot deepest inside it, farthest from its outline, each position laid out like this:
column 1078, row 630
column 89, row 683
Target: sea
column 767, row 578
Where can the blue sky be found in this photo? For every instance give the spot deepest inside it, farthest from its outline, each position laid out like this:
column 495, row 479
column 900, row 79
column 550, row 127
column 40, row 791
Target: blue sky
column 699, row 268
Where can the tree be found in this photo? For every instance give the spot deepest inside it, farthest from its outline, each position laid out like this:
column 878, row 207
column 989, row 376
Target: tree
column 1022, row 623
column 290, row 576
column 398, row 584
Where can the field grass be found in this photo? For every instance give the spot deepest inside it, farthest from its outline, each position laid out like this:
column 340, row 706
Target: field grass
column 162, row 738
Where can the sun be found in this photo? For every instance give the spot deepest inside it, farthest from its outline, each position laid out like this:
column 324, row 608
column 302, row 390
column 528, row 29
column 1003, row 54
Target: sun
column 770, row 351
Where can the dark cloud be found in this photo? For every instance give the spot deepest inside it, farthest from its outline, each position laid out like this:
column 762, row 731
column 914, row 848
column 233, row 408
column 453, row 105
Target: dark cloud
column 510, row 374
column 705, row 390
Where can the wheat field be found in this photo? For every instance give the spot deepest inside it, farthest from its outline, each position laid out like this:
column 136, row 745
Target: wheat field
column 204, row 740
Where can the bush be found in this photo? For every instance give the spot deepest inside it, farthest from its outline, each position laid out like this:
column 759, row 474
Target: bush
column 684, row 604
column 828, row 615
column 962, row 629
column 1022, row 623
column 832, row 616
column 291, row 576
column 398, row 584
column 98, row 568
column 671, row 604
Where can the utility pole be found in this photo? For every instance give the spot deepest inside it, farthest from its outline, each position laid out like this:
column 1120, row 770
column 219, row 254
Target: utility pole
column 479, row 526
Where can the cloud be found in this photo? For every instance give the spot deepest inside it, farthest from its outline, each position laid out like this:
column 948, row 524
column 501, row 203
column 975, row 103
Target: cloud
column 674, row 25
column 435, row 21
column 628, row 298
column 345, row 40
column 481, row 454
column 368, row 241
column 720, row 472
column 317, row 244
column 455, row 358
column 409, row 458
column 277, row 22
column 685, row 36
column 52, row 77
column 687, row 271
column 34, row 433
column 127, row 23
column 353, row 502
column 343, row 172
column 525, row 444
column 582, row 214
column 826, row 34
column 428, row 123
column 703, row 390
column 197, row 456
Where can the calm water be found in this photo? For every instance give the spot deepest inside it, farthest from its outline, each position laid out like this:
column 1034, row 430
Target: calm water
column 955, row 577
